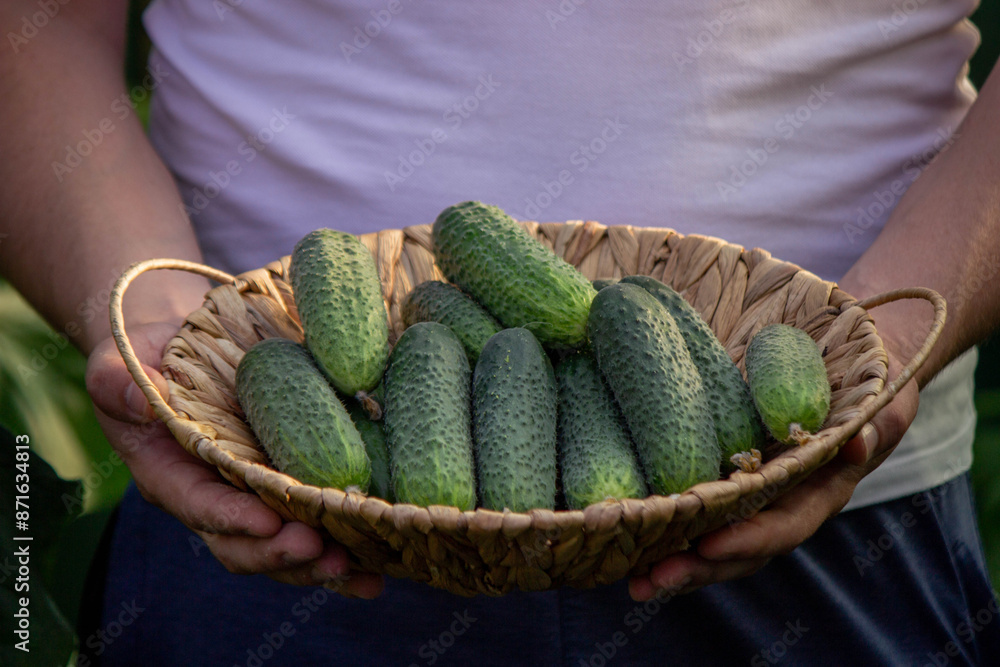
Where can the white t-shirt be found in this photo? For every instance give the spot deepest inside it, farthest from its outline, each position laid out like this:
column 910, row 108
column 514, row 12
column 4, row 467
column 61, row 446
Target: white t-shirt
column 784, row 125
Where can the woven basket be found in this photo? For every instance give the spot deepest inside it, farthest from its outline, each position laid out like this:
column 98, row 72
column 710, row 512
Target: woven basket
column 486, row 552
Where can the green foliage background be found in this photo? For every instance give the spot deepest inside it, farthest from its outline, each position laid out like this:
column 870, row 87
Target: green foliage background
column 42, row 394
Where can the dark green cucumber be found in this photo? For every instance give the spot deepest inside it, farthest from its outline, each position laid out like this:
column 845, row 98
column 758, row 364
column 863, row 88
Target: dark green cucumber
column 737, row 424
column 514, row 421
column 788, row 381
column 644, row 360
column 516, row 278
column 339, row 299
column 601, row 283
column 596, row 457
column 373, row 434
column 298, row 418
column 427, row 419
column 435, row 301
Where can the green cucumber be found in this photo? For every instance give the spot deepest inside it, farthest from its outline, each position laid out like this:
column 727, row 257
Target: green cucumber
column 596, row 458
column 644, row 360
column 339, row 299
column 737, row 424
column 788, row 381
column 601, row 283
column 517, row 279
column 373, row 434
column 298, row 418
column 435, row 301
column 427, row 419
column 514, row 423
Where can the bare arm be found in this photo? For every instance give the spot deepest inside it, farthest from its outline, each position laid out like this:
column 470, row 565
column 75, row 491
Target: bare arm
column 69, row 227
column 944, row 234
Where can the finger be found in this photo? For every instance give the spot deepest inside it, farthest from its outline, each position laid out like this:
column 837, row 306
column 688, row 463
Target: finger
column 184, row 485
column 887, row 427
column 788, row 521
column 294, row 550
column 881, row 435
column 109, row 382
column 687, row 571
column 332, row 569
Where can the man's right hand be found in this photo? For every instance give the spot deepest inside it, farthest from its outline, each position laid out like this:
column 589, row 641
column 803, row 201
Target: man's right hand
column 242, row 532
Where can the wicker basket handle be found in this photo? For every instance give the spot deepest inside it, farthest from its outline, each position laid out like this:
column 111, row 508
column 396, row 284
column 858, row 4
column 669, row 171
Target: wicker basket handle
column 920, row 356
column 149, row 390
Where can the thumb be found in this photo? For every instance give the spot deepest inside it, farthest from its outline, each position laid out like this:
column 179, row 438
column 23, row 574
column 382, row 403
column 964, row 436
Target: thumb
column 879, row 437
column 112, row 387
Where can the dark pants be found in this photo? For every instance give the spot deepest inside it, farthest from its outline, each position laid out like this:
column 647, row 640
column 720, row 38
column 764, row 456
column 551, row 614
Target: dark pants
column 899, row 583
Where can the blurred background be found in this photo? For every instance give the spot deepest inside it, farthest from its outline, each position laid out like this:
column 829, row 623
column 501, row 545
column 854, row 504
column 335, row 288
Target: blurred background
column 42, row 394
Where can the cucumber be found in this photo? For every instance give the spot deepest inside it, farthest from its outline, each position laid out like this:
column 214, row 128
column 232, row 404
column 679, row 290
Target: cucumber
column 601, row 283
column 737, row 424
column 514, row 423
column 427, row 419
column 596, row 458
column 435, row 301
column 517, row 279
column 339, row 299
column 788, row 381
column 644, row 360
column 298, row 418
column 373, row 434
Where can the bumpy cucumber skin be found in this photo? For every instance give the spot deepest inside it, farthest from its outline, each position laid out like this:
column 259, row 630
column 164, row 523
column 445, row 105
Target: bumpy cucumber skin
column 517, row 279
column 601, row 283
column 298, row 418
column 514, row 398
column 644, row 360
column 373, row 434
column 788, row 380
column 339, row 299
column 435, row 301
column 737, row 424
column 427, row 419
column 596, row 457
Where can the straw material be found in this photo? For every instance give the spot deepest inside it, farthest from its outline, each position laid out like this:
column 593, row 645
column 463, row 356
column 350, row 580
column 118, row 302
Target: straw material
column 486, row 552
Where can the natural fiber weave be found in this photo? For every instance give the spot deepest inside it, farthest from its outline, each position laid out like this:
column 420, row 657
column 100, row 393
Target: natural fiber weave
column 737, row 291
